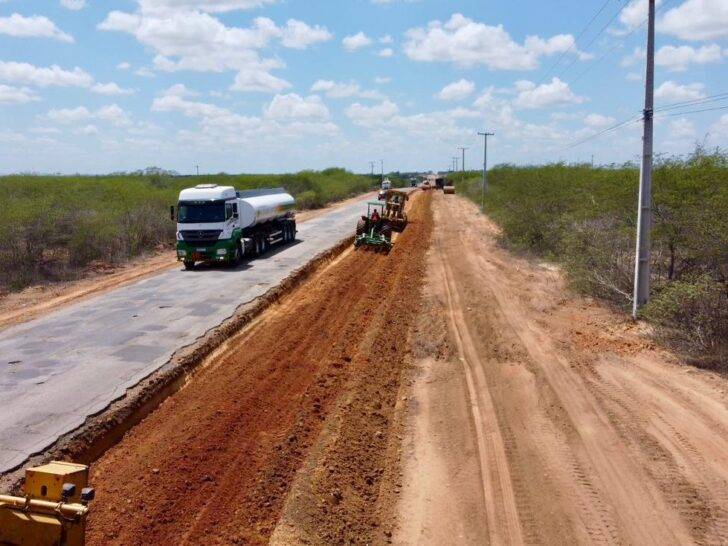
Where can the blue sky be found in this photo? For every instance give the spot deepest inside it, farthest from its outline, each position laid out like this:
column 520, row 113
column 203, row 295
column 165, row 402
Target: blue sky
column 282, row 85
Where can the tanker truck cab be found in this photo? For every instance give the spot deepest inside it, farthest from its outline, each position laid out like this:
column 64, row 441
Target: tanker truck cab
column 219, row 224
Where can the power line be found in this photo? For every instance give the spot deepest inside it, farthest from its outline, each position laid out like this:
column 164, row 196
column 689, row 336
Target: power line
column 576, row 40
column 601, row 31
column 614, row 127
column 615, row 46
column 693, row 102
column 694, row 111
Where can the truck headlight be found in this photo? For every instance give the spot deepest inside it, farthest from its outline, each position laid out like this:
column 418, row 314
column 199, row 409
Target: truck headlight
column 181, row 253
column 221, row 251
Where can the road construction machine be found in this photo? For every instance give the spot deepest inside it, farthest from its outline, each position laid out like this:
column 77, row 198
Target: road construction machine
column 219, row 224
column 394, row 205
column 373, row 231
column 53, row 509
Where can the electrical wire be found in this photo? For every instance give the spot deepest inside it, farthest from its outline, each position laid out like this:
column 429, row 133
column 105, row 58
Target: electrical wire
column 617, row 45
column 573, row 45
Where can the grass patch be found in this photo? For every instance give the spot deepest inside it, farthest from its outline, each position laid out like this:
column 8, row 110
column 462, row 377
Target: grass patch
column 52, row 227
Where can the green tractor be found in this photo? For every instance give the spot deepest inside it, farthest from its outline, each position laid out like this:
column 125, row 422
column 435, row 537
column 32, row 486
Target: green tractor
column 374, row 230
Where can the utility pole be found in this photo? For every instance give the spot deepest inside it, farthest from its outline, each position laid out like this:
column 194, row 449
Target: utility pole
column 381, row 161
column 462, row 149
column 485, row 167
column 371, row 164
column 198, row 169
column 455, row 163
column 644, row 210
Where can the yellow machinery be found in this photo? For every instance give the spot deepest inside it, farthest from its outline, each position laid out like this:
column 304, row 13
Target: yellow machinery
column 53, row 510
column 448, row 189
column 394, row 214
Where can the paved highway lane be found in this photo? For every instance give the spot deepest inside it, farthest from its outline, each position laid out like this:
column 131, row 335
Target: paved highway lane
column 60, row 368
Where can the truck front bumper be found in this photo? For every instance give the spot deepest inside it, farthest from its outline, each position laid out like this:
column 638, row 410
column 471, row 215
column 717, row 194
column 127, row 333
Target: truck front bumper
column 222, row 251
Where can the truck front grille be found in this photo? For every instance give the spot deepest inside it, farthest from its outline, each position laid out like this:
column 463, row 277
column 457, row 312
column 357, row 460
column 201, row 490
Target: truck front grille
column 202, row 237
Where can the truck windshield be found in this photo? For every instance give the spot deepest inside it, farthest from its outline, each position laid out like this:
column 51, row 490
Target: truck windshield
column 201, row 212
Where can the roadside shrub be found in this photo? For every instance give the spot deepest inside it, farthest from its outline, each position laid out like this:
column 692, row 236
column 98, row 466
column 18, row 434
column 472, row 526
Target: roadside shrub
column 694, row 311
column 585, row 219
column 54, row 226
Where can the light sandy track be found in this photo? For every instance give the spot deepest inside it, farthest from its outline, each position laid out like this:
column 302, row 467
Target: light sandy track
column 586, row 432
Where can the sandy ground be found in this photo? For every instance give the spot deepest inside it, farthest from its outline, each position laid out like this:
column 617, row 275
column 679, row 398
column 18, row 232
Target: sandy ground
column 289, row 431
column 536, row 416
column 34, row 301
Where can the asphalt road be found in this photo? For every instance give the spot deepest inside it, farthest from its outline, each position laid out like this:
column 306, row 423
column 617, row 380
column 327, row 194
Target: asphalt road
column 60, row 368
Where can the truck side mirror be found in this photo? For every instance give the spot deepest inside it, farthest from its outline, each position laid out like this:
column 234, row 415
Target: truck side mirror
column 171, row 212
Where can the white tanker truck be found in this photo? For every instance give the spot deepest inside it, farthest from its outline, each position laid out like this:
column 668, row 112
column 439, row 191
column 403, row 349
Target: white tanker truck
column 219, row 224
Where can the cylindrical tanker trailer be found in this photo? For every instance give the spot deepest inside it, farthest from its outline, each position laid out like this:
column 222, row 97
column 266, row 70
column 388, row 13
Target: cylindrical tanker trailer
column 219, row 224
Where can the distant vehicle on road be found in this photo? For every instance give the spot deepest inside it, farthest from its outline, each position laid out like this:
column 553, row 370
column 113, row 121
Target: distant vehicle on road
column 386, row 186
column 219, row 224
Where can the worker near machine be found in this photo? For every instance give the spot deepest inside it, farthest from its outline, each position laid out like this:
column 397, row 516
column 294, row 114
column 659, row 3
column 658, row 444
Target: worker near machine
column 375, row 217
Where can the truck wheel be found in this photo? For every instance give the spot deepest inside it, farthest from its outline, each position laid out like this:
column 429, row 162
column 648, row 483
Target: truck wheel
column 387, row 232
column 189, row 264
column 237, row 256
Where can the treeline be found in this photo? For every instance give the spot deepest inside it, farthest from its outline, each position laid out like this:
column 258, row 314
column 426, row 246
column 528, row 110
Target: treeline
column 585, row 218
column 52, row 227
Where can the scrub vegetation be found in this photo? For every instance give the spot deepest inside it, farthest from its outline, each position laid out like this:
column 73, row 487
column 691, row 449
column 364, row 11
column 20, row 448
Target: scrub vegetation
column 54, row 227
column 585, row 219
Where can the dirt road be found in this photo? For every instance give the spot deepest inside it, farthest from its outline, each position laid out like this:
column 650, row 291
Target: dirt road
column 291, row 420
column 449, row 393
column 576, row 428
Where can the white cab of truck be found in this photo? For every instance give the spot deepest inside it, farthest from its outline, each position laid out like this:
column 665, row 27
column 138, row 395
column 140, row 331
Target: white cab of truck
column 220, row 224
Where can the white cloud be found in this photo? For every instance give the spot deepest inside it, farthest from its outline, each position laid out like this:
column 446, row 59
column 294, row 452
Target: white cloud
column 180, row 90
column 638, row 55
column 598, row 121
column 387, row 39
column 185, row 37
column 258, row 80
column 123, row 66
column 340, row 90
column 554, row 93
column 457, row 90
column 27, row 74
column 635, row 13
column 681, row 57
column 110, row 89
column 386, row 52
column 299, row 35
column 719, row 129
column 175, row 102
column 293, row 106
column 356, row 41
column 382, row 79
column 674, row 92
column 111, row 113
column 468, row 43
column 35, row 26
column 74, row 5
column 696, row 20
column 681, row 129
column 89, row 130
column 212, row 6
column 16, row 95
column 369, row 116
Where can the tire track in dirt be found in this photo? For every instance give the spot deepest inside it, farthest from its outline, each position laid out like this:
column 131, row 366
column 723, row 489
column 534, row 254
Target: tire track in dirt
column 215, row 462
column 606, row 438
column 501, row 509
